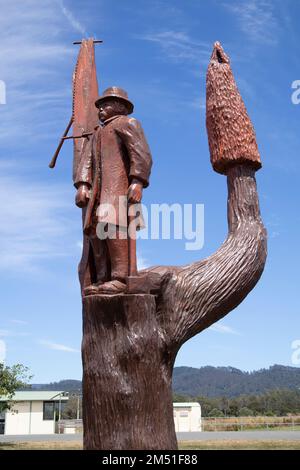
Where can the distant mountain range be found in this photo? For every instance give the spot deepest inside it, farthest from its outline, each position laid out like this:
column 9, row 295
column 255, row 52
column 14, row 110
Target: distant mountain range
column 230, row 382
column 214, row 381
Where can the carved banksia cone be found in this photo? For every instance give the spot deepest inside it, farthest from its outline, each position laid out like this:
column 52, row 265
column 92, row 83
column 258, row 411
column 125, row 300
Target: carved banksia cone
column 231, row 136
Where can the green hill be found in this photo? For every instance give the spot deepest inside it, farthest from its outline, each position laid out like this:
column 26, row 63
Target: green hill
column 214, row 381
column 230, row 382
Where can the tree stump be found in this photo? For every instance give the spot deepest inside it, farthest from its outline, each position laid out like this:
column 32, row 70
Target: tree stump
column 127, row 381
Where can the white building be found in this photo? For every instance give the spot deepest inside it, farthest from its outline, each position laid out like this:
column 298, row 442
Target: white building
column 187, row 417
column 33, row 412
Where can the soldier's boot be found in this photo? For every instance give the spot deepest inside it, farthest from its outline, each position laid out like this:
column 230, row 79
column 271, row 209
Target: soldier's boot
column 118, row 253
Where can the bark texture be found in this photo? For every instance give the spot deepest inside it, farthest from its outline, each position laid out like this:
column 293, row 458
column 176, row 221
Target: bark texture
column 127, row 375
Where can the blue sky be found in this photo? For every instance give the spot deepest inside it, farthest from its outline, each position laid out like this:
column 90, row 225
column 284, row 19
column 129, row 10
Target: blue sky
column 158, row 51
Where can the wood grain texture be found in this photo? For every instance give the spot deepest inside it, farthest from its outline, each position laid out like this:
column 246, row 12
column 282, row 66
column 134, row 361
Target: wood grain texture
column 127, row 375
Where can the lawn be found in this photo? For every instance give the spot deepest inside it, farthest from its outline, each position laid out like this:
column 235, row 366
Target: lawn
column 188, row 445
column 240, row 445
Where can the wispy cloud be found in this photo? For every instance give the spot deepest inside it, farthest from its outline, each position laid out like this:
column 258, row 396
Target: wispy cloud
column 256, row 19
column 34, row 105
column 198, row 103
column 19, row 322
column 31, row 41
column 274, row 234
column 9, row 333
column 224, row 329
column 74, row 22
column 4, row 333
column 34, row 55
column 58, row 347
column 34, row 223
column 2, row 350
column 79, row 244
column 178, row 46
column 142, row 262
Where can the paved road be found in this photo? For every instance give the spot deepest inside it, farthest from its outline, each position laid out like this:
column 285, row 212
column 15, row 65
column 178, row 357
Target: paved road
column 182, row 436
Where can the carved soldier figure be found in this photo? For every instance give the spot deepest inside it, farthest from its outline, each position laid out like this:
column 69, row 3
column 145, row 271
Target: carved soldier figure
column 115, row 166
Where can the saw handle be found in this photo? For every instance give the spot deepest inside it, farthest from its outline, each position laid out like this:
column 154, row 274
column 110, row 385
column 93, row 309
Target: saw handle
column 54, row 158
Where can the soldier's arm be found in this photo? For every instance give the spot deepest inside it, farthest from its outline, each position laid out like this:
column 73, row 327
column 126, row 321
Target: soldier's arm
column 83, row 180
column 84, row 170
column 133, row 137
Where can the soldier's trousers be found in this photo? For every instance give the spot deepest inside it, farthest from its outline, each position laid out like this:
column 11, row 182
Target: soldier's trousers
column 110, row 256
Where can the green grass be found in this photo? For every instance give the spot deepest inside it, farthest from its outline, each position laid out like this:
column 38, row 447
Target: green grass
column 50, row 445
column 240, row 445
column 183, row 445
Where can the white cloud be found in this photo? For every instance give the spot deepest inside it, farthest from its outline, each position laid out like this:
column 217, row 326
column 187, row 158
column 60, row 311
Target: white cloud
column 58, row 347
column 274, row 234
column 198, row 103
column 2, row 92
column 34, row 222
column 19, row 322
column 31, row 40
column 2, row 350
column 224, row 329
column 256, row 19
column 180, row 47
column 79, row 245
column 72, row 20
column 4, row 333
column 142, row 262
column 9, row 333
column 36, row 66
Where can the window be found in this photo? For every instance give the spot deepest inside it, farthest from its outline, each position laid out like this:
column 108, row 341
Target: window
column 48, row 410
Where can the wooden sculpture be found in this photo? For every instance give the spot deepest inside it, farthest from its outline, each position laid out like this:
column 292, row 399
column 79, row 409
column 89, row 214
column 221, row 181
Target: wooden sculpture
column 130, row 340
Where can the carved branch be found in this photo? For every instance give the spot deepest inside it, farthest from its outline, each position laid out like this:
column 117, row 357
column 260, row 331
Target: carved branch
column 203, row 292
column 195, row 296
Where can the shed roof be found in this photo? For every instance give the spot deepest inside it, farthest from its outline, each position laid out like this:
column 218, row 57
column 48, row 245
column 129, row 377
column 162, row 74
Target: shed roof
column 37, row 395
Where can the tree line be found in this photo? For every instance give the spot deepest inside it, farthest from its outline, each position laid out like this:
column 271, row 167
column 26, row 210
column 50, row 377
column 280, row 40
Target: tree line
column 272, row 403
column 278, row 402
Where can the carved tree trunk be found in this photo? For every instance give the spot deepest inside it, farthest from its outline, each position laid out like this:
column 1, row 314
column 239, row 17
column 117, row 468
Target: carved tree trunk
column 130, row 342
column 127, row 375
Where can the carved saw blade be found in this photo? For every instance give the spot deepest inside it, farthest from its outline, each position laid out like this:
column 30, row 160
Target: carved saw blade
column 85, row 93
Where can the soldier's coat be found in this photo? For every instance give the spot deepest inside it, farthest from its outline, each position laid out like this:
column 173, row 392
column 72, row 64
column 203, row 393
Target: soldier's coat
column 116, row 154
